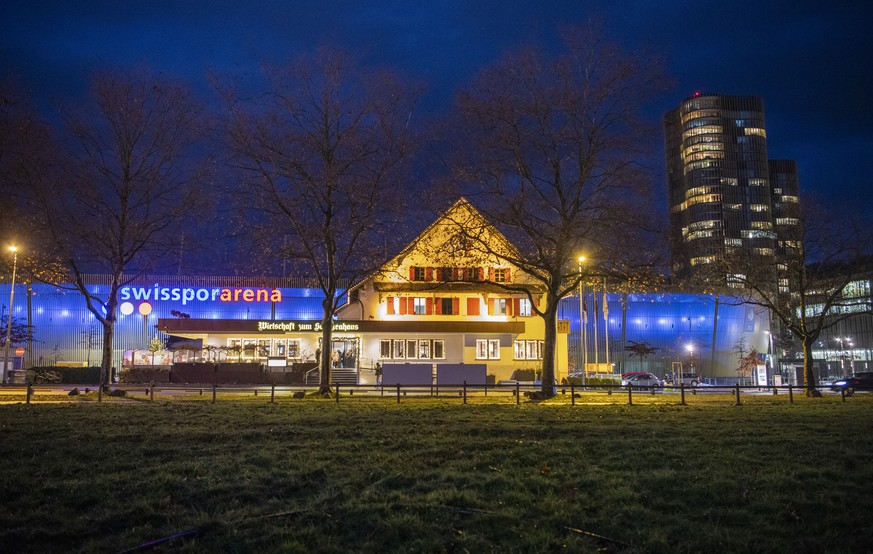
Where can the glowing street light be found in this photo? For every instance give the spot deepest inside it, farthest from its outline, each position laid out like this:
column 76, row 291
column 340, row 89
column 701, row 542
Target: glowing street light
column 14, row 250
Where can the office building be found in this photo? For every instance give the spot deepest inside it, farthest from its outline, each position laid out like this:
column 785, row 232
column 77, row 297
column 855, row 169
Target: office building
column 725, row 194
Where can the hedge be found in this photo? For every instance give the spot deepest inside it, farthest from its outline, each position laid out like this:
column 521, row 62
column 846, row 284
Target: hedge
column 65, row 375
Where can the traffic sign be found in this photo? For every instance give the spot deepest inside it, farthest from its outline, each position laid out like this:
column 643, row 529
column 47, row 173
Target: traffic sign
column 19, row 351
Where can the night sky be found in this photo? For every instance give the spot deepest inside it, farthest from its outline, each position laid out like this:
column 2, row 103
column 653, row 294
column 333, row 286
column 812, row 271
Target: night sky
column 811, row 61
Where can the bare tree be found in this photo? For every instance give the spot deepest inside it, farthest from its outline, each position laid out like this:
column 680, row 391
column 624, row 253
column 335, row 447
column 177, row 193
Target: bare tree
column 117, row 203
column 549, row 148
column 816, row 285
column 324, row 153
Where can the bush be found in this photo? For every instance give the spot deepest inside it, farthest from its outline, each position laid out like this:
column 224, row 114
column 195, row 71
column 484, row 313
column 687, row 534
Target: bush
column 145, row 374
column 65, row 375
column 594, row 381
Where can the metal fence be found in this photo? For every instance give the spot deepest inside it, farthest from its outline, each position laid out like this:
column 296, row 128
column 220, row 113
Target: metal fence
column 512, row 393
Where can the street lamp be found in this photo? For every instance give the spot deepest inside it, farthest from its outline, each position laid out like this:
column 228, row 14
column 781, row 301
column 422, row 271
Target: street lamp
column 14, row 250
column 583, row 343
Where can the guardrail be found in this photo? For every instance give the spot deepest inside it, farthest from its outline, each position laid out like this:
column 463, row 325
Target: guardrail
column 500, row 392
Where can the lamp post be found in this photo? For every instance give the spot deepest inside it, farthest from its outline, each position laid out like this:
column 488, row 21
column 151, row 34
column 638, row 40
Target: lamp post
column 690, row 348
column 14, row 250
column 583, row 343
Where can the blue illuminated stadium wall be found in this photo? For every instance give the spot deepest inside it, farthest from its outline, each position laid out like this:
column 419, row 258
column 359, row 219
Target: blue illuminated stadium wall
column 62, row 323
column 668, row 322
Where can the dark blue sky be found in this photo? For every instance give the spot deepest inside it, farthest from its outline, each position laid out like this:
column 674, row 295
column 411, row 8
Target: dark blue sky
column 809, row 60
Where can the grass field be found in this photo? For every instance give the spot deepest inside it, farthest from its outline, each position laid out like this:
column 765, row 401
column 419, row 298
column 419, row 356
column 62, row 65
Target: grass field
column 372, row 475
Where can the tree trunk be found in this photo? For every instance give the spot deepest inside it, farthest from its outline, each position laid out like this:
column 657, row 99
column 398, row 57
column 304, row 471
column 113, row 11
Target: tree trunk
column 106, row 361
column 808, row 374
column 550, row 317
column 326, row 346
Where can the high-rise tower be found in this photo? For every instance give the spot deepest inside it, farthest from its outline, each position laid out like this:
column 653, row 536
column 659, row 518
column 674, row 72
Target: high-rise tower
column 725, row 195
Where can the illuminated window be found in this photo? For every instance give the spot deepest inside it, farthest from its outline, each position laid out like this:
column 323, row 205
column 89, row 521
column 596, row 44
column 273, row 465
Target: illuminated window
column 756, row 234
column 788, row 198
column 399, row 349
column 384, row 348
column 439, row 349
column 694, row 235
column 499, row 306
column 487, row 349
column 707, row 224
column 756, row 131
column 762, row 225
column 759, row 208
column 763, row 251
column 703, row 130
column 524, row 307
column 528, row 349
column 702, row 260
column 699, row 113
column 758, row 182
column 733, row 242
column 787, row 221
column 424, row 349
column 419, row 306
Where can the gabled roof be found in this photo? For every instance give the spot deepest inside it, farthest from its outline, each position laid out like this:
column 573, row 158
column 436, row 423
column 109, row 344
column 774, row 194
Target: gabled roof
column 461, row 213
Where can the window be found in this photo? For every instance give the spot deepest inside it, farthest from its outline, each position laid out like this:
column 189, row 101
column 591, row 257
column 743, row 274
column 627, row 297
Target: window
column 399, row 349
column 470, row 273
column 500, row 275
column 411, row 349
column 446, row 274
column 487, row 349
column 424, row 349
column 293, row 348
column 524, row 307
column 534, row 349
column 447, row 305
column 528, row 350
column 419, row 306
column 280, row 347
column 419, row 273
column 499, row 306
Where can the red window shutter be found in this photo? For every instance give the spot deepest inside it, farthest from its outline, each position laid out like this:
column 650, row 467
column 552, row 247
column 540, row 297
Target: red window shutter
column 516, row 306
column 481, row 274
column 455, row 274
column 472, row 306
column 508, row 279
column 412, row 273
column 491, row 274
column 411, row 308
column 402, row 306
column 428, row 306
column 490, row 306
column 389, row 305
column 428, row 274
column 437, row 306
column 439, row 274
column 456, row 306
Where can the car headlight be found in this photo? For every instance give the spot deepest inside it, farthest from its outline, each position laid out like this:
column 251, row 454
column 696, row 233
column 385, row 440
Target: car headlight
column 839, row 383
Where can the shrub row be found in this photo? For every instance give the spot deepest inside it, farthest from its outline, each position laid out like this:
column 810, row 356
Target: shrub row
column 64, row 375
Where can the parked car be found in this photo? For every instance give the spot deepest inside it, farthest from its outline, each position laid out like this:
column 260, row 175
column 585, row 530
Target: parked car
column 643, row 380
column 858, row 381
column 688, row 379
column 631, row 373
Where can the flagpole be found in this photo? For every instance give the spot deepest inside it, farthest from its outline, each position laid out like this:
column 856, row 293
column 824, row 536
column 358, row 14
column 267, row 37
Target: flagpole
column 606, row 324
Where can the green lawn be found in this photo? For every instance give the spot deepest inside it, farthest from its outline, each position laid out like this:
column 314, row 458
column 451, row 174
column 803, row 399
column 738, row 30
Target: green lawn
column 371, row 475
